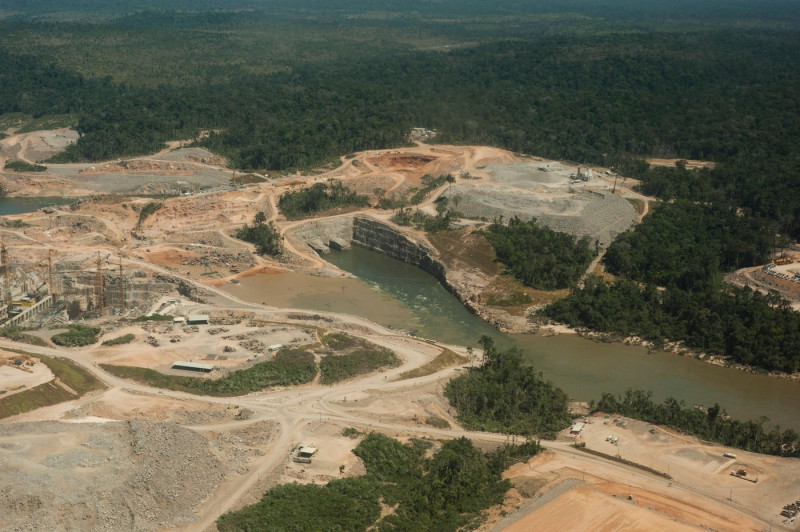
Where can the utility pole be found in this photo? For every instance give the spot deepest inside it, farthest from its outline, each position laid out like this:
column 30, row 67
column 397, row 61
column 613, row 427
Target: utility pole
column 6, row 277
column 50, row 272
column 121, row 287
column 100, row 283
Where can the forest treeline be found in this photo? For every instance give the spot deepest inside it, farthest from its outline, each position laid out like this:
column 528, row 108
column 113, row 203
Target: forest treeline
column 688, row 244
column 719, row 95
column 747, row 326
column 445, row 492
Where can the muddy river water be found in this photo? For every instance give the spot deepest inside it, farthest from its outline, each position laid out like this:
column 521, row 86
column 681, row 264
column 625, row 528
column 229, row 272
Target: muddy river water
column 392, row 293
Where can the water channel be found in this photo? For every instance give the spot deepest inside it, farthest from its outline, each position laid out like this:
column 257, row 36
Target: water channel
column 21, row 205
column 392, row 293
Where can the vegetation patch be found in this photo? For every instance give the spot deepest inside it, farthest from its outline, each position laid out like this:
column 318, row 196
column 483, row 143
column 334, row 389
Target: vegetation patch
column 445, row 359
column 503, row 288
column 120, row 340
column 446, row 492
column 356, row 357
column 18, row 334
column 318, row 198
column 335, row 368
column 506, row 396
column 638, row 204
column 514, row 299
column 425, row 222
column 247, row 179
column 15, row 224
column 339, row 341
column 289, row 367
column 437, row 422
column 154, row 317
column 709, row 424
column 264, row 235
column 430, row 184
column 77, row 336
column 352, row 432
column 46, row 394
column 70, row 373
column 149, row 209
column 538, row 256
column 459, row 247
column 22, row 166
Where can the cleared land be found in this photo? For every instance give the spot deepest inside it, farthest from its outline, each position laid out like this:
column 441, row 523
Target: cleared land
column 172, row 459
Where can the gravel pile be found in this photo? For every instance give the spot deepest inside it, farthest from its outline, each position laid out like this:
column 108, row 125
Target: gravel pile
column 135, row 475
column 598, row 215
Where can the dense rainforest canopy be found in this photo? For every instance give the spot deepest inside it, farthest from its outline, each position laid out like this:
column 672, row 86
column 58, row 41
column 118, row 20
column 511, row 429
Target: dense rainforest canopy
column 285, row 84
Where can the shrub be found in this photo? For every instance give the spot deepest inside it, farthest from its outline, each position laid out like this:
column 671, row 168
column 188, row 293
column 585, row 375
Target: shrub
column 147, row 210
column 22, row 166
column 16, row 334
column 124, row 339
column 155, row 317
column 77, row 335
column 265, row 236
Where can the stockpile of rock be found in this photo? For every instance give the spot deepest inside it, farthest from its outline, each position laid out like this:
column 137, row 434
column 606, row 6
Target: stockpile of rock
column 599, row 215
column 134, row 475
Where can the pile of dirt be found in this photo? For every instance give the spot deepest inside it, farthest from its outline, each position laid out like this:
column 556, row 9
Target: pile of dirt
column 134, row 475
column 598, row 215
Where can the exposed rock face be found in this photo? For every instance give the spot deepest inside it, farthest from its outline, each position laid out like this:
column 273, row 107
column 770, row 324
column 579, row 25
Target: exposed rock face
column 319, row 247
column 339, row 244
column 383, row 238
column 322, row 230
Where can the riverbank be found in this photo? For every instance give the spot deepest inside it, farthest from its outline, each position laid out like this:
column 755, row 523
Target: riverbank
column 677, row 348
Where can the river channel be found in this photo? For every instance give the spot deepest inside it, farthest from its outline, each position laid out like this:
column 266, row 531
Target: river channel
column 402, row 296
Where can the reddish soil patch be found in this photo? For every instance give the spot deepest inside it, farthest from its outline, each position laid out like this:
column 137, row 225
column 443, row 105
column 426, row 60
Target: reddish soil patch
column 169, row 257
column 397, row 161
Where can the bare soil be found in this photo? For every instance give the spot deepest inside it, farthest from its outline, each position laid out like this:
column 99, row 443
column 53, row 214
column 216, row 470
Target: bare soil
column 131, row 457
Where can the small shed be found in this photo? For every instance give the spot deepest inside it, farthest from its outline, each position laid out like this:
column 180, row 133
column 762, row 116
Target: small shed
column 179, row 319
column 305, row 453
column 577, row 428
column 274, row 347
column 198, row 319
column 193, row 366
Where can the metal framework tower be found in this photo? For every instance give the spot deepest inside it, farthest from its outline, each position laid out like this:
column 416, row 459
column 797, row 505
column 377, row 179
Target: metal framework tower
column 6, row 276
column 100, row 283
column 121, row 287
column 50, row 273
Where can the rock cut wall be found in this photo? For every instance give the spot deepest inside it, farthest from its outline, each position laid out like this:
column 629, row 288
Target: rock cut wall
column 383, row 238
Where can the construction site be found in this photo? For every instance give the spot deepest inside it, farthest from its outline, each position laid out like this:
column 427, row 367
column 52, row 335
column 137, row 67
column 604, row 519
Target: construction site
column 153, row 275
column 38, row 293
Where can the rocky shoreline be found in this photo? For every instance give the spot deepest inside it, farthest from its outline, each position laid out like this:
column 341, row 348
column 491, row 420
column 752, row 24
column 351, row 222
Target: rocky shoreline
column 679, row 348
